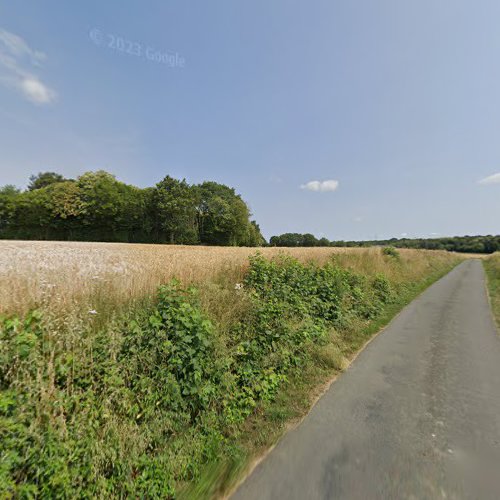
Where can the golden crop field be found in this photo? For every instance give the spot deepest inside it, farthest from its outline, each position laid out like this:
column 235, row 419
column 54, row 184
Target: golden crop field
column 64, row 276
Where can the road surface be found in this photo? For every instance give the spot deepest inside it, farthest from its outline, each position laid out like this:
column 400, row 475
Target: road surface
column 417, row 415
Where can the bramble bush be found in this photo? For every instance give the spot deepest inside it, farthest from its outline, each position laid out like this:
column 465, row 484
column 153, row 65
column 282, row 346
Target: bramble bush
column 138, row 406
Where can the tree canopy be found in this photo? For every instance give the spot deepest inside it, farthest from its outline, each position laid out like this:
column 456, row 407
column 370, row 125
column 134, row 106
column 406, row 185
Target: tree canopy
column 98, row 207
column 43, row 179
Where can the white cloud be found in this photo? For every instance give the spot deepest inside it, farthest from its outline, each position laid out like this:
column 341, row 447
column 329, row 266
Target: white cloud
column 492, row 179
column 16, row 59
column 36, row 91
column 16, row 46
column 323, row 186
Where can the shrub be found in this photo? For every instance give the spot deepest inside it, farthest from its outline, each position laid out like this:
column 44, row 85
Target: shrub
column 391, row 252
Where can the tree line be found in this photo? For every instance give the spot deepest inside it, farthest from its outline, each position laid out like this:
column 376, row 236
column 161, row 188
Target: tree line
column 466, row 244
column 98, row 207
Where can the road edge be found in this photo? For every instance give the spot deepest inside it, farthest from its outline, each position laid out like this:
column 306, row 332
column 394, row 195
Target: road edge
column 325, row 387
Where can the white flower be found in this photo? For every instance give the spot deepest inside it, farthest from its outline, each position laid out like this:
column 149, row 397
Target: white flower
column 92, row 311
column 238, row 286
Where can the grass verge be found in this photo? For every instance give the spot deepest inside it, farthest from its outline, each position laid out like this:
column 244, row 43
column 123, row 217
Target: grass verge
column 492, row 267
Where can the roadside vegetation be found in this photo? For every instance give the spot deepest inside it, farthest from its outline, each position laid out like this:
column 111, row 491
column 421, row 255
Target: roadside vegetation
column 169, row 390
column 492, row 266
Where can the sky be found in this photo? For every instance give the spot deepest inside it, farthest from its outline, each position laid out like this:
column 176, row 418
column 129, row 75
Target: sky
column 348, row 119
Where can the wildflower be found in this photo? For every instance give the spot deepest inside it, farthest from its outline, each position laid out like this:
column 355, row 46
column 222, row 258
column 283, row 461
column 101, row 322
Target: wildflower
column 238, row 286
column 92, row 311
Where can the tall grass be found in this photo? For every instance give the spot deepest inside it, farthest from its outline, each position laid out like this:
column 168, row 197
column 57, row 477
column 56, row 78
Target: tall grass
column 492, row 266
column 110, row 389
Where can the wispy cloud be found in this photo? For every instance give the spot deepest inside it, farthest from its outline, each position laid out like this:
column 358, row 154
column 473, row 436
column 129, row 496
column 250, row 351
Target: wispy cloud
column 492, row 179
column 321, row 186
column 17, row 59
column 19, row 48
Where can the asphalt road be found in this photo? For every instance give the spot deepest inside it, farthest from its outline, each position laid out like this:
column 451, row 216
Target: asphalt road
column 417, row 415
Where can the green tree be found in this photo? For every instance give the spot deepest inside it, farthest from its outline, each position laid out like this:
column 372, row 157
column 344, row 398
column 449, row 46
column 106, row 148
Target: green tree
column 44, row 179
column 33, row 215
column 309, row 240
column 175, row 210
column 9, row 195
column 255, row 238
column 67, row 209
column 223, row 217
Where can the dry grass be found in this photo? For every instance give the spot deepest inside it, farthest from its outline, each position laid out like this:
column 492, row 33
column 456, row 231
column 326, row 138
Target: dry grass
column 80, row 276
column 492, row 265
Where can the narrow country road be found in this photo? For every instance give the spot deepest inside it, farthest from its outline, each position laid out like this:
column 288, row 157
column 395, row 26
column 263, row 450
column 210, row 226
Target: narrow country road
column 417, row 415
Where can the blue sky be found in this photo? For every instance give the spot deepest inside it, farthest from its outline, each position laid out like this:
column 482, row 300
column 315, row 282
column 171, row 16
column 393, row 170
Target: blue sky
column 395, row 104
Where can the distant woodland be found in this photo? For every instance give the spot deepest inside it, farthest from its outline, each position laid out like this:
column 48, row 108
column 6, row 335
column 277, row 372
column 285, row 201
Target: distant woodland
column 98, row 207
column 467, row 244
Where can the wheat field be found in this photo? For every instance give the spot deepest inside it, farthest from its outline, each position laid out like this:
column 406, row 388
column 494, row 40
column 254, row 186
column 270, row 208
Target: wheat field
column 68, row 276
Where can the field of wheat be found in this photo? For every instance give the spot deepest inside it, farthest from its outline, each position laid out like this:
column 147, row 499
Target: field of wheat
column 80, row 276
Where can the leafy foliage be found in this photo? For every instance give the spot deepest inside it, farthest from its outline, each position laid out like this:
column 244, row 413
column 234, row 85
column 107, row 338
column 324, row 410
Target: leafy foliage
column 175, row 203
column 98, row 207
column 44, row 179
column 391, row 252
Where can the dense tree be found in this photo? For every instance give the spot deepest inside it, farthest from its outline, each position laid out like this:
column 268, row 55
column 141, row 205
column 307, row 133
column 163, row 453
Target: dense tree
column 294, row 240
column 9, row 190
column 98, row 207
column 223, row 217
column 9, row 196
column 44, row 179
column 175, row 209
column 255, row 238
